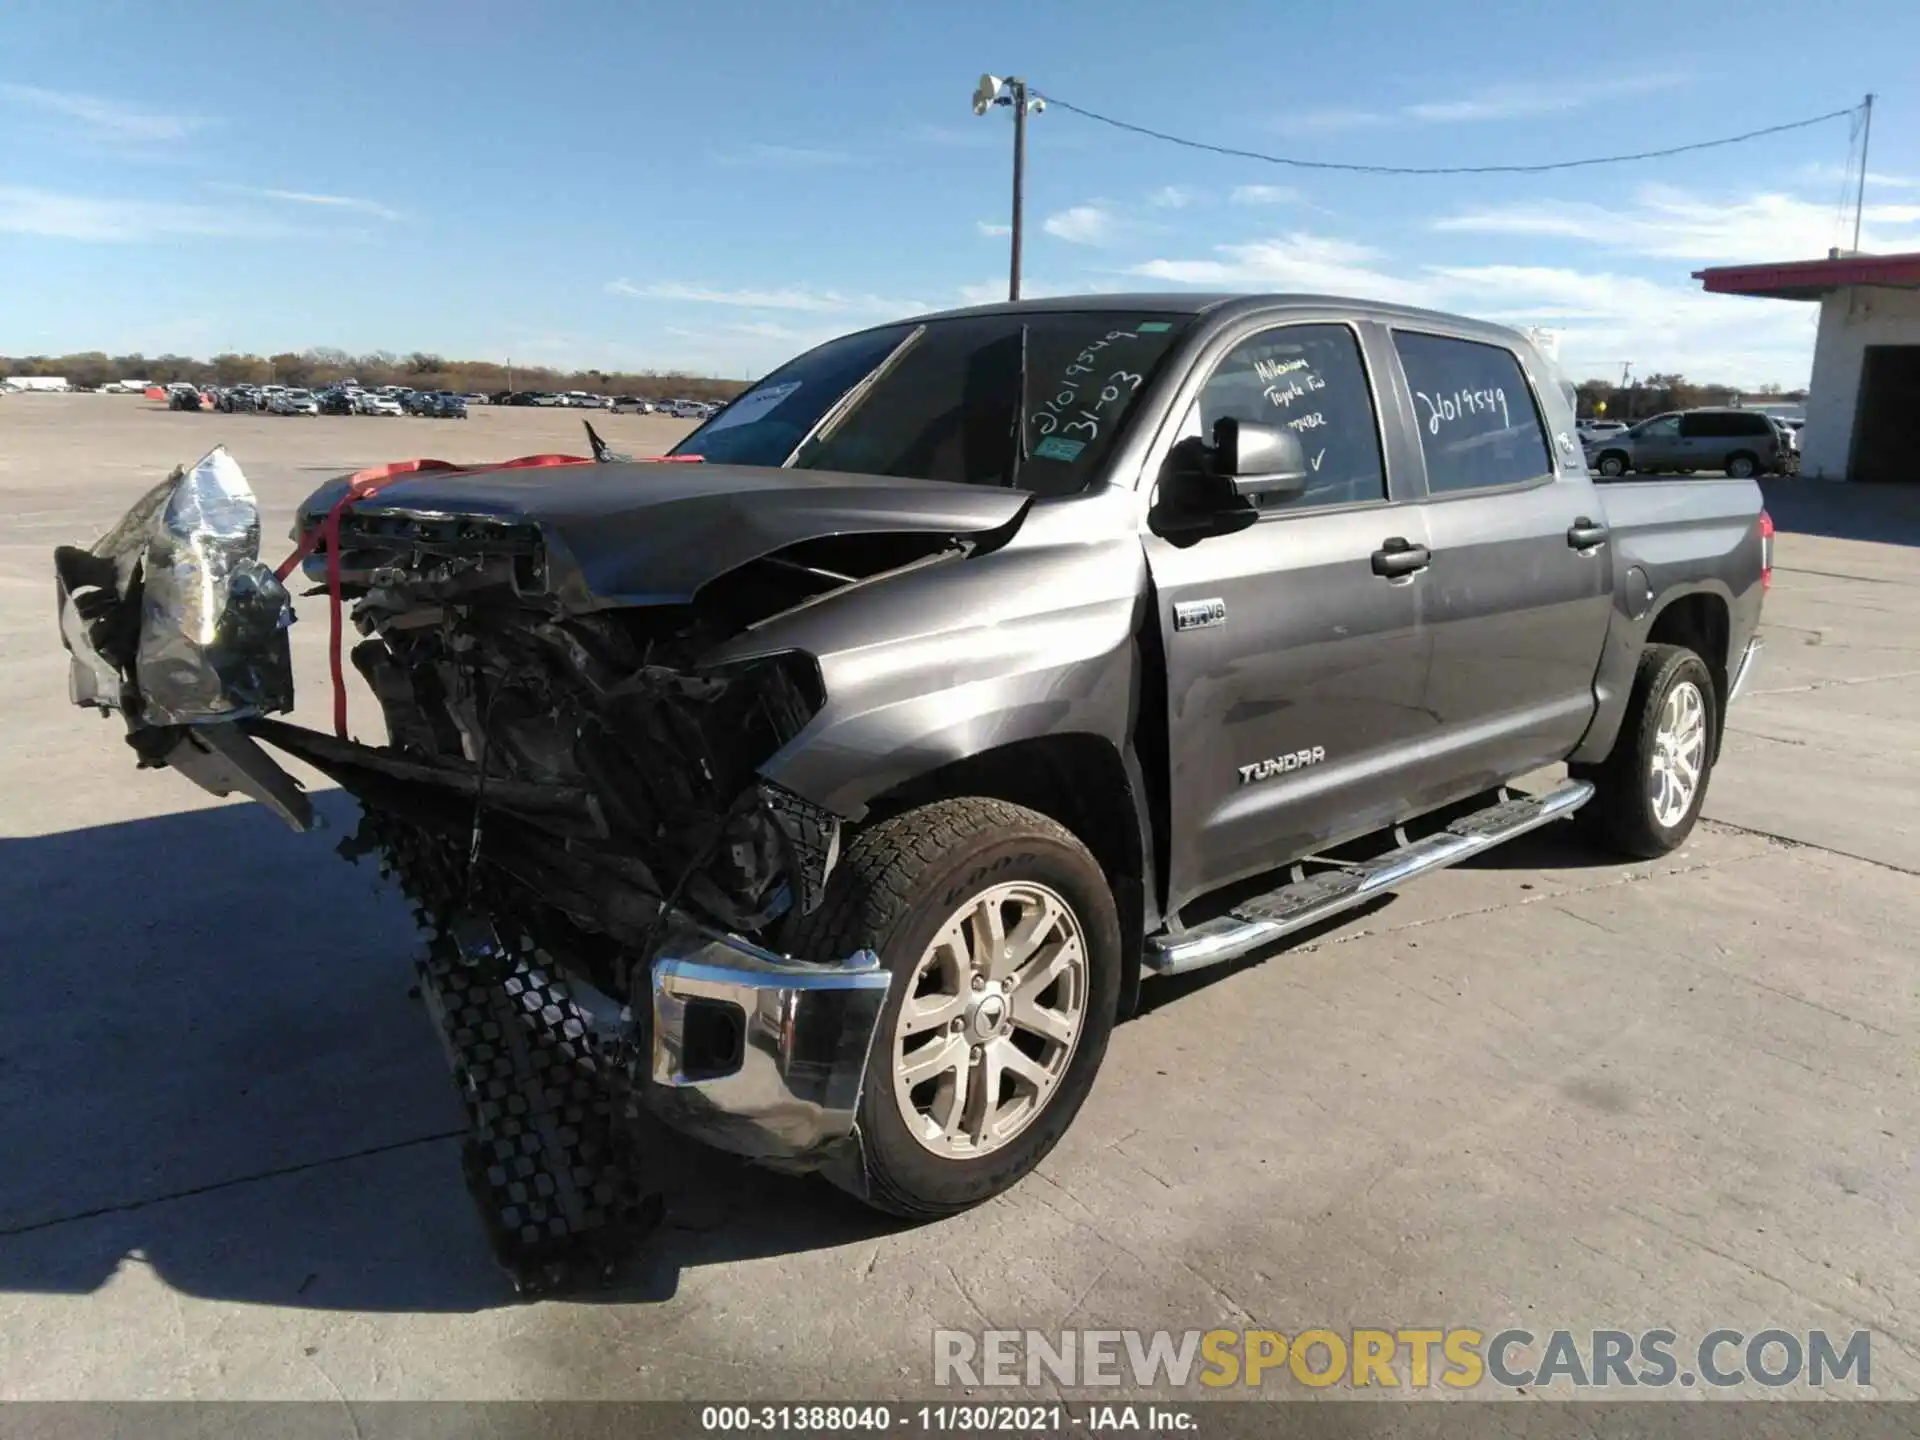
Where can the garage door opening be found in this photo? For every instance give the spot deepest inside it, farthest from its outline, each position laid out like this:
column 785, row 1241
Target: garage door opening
column 1886, row 430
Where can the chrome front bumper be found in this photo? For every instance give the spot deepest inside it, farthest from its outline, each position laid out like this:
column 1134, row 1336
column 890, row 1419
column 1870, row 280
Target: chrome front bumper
column 756, row 1053
column 1749, row 661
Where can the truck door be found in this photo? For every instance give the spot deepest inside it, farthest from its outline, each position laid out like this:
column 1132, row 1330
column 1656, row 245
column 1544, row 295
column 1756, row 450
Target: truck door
column 1517, row 595
column 1294, row 655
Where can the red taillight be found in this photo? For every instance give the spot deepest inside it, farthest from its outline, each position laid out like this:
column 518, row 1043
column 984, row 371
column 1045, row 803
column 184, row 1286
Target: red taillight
column 1766, row 551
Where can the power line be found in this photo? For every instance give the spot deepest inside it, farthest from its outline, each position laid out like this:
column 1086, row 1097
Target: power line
column 1299, row 164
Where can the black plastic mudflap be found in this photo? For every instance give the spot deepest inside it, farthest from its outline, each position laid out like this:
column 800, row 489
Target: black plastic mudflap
column 550, row 1161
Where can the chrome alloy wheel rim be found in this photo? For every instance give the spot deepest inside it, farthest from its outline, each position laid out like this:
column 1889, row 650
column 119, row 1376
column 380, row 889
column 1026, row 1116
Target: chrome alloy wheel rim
column 1679, row 752
column 992, row 1013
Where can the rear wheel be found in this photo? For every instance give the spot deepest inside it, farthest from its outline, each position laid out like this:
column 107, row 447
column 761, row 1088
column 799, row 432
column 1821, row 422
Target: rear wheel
column 1004, row 946
column 1742, row 466
column 1648, row 792
column 1613, row 464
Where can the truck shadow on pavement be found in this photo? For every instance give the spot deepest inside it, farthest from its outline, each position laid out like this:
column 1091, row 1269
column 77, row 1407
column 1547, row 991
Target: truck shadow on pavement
column 218, row 1075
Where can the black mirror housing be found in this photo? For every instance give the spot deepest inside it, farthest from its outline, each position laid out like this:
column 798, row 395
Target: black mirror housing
column 1259, row 459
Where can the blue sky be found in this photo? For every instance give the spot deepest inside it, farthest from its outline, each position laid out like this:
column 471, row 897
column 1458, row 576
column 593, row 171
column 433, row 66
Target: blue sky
column 718, row 185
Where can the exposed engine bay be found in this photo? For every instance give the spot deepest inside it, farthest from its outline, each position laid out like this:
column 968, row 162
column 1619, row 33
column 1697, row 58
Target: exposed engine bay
column 569, row 791
column 579, row 768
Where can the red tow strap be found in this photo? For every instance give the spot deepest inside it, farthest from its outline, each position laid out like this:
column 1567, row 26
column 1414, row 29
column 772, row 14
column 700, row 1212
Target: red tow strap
column 364, row 486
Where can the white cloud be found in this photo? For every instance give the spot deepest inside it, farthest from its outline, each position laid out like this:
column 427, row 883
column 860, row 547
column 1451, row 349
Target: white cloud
column 1607, row 318
column 351, row 203
column 1604, row 317
column 1512, row 102
column 794, row 297
column 103, row 119
column 1676, row 224
column 786, row 157
column 1830, row 174
column 1327, row 122
column 1503, row 102
column 1263, row 195
column 1294, row 262
column 1174, row 197
column 987, row 227
column 1082, row 225
column 993, row 292
column 26, row 211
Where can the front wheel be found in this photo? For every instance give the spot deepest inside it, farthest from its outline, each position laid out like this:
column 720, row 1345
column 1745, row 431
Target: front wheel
column 1613, row 465
column 1003, row 941
column 1648, row 792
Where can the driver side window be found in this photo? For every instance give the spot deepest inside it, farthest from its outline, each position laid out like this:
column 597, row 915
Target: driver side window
column 1311, row 380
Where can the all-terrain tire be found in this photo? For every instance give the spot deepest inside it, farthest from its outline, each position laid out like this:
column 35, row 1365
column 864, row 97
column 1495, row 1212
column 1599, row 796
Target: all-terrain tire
column 894, row 890
column 1622, row 815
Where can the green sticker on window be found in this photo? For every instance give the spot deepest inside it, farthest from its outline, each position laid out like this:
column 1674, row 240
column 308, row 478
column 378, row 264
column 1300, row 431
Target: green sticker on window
column 1058, row 447
column 1153, row 327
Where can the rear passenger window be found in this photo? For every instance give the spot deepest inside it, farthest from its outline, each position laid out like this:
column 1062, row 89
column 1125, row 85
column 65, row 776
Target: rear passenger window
column 1478, row 424
column 1310, row 379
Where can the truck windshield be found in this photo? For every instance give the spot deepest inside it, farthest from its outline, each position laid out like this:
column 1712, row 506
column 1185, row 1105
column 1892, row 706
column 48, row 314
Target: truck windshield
column 939, row 400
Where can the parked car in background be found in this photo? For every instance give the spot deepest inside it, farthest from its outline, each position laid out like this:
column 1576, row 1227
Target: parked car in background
column 1741, row 443
column 335, row 402
column 435, row 405
column 1594, row 430
column 630, row 405
column 370, row 402
column 295, row 402
column 477, row 399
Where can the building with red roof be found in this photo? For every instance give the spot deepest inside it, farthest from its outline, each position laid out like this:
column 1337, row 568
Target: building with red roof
column 1863, row 409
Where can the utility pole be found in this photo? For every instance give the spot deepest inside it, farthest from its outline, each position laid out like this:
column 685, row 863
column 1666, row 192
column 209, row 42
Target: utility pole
column 993, row 91
column 1860, row 195
column 509, row 374
column 1020, row 185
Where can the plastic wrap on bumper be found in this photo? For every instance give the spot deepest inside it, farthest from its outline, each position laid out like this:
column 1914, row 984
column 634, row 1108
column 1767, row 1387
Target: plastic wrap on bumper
column 758, row 1054
column 171, row 616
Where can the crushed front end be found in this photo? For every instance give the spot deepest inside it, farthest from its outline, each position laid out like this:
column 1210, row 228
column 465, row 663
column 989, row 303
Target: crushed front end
column 567, row 795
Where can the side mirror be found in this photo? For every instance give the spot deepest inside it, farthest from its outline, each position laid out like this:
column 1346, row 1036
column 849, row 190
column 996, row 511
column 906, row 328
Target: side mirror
column 1259, row 459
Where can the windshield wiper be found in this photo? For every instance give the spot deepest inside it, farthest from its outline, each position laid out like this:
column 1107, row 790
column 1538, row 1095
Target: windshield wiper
column 841, row 411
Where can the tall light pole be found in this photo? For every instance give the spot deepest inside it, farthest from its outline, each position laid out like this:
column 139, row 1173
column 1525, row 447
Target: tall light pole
column 992, row 91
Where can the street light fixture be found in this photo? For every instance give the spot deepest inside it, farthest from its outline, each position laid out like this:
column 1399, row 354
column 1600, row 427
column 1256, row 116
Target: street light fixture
column 991, row 92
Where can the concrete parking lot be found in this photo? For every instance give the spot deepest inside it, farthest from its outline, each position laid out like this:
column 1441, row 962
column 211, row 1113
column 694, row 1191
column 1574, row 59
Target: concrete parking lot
column 1540, row 1090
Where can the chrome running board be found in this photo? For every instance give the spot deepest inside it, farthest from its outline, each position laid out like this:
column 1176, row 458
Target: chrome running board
column 1278, row 913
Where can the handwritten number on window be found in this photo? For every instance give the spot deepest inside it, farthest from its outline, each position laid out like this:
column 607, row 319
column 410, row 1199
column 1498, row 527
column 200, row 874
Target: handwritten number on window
column 1462, row 404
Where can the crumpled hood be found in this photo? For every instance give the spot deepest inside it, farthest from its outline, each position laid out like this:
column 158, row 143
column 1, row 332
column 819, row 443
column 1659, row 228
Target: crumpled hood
column 640, row 533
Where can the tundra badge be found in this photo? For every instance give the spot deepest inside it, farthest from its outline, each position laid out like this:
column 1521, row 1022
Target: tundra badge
column 1198, row 614
column 1280, row 764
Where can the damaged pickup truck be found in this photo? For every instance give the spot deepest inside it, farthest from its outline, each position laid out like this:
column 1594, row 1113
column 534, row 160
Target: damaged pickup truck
column 830, row 786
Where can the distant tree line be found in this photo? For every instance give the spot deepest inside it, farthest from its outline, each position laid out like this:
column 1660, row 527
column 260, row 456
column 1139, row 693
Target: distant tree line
column 422, row 370
column 1652, row 394
column 319, row 367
